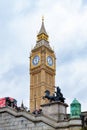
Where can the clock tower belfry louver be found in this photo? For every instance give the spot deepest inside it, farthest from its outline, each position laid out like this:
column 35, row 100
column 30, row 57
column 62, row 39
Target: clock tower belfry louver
column 42, row 69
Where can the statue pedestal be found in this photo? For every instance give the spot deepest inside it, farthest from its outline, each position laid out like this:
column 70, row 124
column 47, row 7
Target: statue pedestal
column 55, row 110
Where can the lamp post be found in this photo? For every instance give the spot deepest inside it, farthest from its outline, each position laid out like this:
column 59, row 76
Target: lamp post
column 35, row 101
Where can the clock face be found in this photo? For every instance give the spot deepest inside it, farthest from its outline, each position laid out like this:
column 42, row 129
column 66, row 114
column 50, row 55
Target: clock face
column 49, row 60
column 36, row 60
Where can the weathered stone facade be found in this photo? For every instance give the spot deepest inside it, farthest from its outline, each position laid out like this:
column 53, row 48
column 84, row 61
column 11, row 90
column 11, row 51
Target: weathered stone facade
column 10, row 119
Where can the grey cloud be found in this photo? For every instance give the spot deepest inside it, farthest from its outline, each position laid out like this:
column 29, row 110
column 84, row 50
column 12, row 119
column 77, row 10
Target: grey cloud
column 18, row 25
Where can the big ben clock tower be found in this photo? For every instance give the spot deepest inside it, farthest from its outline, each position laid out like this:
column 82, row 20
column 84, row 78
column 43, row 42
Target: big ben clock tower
column 42, row 69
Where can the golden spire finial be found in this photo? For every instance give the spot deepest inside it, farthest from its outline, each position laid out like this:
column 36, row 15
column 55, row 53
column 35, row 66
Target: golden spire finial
column 42, row 18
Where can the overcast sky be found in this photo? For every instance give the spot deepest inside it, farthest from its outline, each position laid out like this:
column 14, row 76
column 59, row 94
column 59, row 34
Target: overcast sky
column 66, row 24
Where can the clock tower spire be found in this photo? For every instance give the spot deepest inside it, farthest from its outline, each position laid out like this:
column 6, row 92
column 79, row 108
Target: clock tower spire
column 42, row 35
column 42, row 69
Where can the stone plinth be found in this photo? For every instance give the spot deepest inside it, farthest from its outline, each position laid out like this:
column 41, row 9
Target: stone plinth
column 55, row 110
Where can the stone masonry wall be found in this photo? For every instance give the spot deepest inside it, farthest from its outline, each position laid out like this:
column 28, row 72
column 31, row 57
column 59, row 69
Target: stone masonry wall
column 13, row 120
column 18, row 122
column 9, row 122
